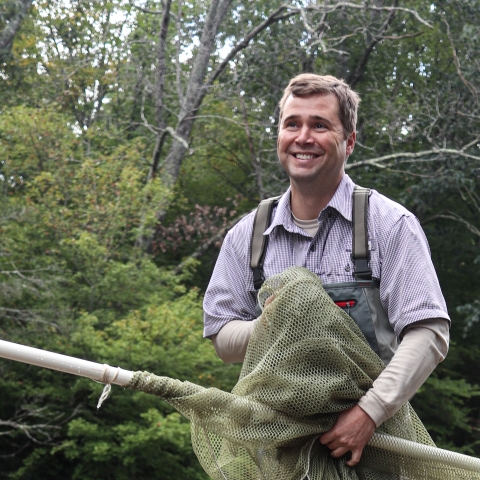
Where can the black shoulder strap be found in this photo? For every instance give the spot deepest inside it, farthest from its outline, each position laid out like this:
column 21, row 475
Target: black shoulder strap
column 258, row 246
column 360, row 252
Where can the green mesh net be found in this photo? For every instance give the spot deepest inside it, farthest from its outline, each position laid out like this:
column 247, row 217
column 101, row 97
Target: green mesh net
column 306, row 361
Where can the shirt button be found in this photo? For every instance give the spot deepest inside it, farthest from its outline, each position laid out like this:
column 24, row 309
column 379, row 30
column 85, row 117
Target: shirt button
column 312, row 248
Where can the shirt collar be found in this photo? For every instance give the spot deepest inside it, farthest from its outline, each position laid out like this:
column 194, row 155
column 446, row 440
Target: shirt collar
column 341, row 201
column 283, row 215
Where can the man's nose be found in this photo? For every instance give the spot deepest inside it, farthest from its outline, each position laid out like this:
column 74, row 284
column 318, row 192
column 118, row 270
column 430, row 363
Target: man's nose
column 304, row 136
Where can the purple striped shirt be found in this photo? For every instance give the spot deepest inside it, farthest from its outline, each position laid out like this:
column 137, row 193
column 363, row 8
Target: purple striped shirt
column 399, row 258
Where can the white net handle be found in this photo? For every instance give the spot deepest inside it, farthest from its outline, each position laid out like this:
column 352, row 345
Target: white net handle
column 424, row 452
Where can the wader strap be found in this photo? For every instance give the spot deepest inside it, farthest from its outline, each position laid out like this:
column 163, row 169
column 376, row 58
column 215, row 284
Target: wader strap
column 360, row 252
column 259, row 241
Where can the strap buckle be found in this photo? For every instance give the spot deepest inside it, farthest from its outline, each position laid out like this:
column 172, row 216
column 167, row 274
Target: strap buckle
column 362, row 270
column 258, row 278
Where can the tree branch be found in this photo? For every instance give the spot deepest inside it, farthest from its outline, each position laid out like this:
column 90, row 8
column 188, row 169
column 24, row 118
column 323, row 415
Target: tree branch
column 456, row 218
column 400, row 37
column 242, row 44
column 357, row 74
column 160, row 89
column 364, row 6
column 255, row 159
column 378, row 162
column 150, row 12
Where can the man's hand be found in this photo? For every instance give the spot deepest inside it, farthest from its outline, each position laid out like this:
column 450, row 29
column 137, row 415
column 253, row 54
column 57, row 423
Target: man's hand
column 269, row 300
column 351, row 432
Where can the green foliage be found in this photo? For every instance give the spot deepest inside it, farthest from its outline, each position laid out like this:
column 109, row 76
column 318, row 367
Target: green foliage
column 447, row 398
column 133, row 435
column 78, row 128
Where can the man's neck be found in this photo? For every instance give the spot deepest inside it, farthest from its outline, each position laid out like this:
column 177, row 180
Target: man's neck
column 308, row 201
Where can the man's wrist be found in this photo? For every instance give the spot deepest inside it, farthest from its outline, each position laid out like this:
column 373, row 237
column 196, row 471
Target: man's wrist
column 374, row 408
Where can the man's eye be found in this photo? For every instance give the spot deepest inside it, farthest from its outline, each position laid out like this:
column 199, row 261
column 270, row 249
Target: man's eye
column 320, row 125
column 291, row 124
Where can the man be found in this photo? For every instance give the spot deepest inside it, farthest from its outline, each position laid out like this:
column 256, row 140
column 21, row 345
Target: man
column 312, row 227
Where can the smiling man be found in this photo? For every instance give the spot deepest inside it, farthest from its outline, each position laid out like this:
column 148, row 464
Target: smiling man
column 312, row 149
column 312, row 226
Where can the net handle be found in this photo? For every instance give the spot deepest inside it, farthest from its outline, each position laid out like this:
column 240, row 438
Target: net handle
column 424, row 452
column 106, row 374
column 99, row 372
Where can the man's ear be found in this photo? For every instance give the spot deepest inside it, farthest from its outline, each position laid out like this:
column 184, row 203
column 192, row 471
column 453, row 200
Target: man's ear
column 351, row 143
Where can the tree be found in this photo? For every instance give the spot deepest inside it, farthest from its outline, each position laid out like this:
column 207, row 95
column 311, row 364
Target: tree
column 117, row 114
column 11, row 15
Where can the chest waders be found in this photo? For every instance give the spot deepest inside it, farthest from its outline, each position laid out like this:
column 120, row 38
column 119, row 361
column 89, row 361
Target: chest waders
column 360, row 298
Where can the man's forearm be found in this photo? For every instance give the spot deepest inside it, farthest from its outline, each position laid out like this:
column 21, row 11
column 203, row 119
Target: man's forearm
column 424, row 345
column 232, row 340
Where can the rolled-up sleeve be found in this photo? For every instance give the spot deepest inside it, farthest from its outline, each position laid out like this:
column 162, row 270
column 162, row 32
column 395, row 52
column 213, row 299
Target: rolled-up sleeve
column 230, row 294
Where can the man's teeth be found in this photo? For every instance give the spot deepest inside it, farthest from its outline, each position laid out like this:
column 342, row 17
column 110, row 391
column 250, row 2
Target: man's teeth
column 301, row 156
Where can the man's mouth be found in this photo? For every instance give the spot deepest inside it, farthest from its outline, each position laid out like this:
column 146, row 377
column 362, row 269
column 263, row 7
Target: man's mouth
column 304, row 156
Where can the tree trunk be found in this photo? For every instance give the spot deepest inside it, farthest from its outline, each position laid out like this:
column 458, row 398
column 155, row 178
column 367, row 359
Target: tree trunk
column 196, row 91
column 160, row 89
column 11, row 28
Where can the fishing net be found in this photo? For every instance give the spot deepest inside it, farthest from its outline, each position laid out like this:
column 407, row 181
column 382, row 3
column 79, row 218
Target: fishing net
column 306, row 362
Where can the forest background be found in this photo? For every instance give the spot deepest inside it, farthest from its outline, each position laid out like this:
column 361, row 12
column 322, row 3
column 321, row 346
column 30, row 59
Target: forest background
column 133, row 134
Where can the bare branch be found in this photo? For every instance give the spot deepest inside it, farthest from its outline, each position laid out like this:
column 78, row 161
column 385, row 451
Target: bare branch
column 21, row 272
column 242, row 44
column 342, row 38
column 456, row 218
column 255, row 158
column 471, row 144
column 227, row 119
column 178, row 66
column 145, row 121
column 473, row 198
column 30, row 430
column 378, row 162
column 40, row 433
column 364, row 6
column 27, row 316
column 304, row 18
column 150, row 12
column 160, row 89
column 400, row 37
column 469, row 115
column 357, row 74
column 177, row 137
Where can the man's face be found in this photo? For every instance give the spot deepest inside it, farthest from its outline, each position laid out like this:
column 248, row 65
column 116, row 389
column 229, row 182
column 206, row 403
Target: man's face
column 311, row 142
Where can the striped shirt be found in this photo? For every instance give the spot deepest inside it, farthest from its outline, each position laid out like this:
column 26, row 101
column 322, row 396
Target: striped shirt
column 399, row 258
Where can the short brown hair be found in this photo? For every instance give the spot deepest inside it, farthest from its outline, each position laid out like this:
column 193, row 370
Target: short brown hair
column 308, row 84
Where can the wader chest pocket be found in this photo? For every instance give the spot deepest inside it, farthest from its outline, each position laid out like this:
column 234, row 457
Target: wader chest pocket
column 346, row 304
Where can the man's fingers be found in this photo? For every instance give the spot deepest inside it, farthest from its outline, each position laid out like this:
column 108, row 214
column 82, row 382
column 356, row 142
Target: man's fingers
column 351, row 432
column 356, row 455
column 338, row 452
column 269, row 300
column 326, row 438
